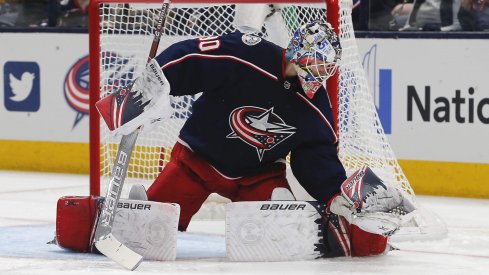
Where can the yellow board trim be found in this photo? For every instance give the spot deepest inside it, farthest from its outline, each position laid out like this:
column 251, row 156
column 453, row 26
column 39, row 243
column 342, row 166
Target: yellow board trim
column 447, row 178
column 426, row 177
column 44, row 156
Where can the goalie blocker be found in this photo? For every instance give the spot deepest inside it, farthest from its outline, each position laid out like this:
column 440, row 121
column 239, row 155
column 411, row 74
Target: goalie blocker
column 142, row 103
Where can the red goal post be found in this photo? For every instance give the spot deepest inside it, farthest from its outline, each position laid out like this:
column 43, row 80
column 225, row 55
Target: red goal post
column 120, row 38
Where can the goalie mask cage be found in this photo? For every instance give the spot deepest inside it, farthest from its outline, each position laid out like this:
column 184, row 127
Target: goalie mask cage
column 121, row 33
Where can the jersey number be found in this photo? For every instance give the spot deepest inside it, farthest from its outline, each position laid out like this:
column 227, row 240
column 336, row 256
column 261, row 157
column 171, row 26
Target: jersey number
column 209, row 43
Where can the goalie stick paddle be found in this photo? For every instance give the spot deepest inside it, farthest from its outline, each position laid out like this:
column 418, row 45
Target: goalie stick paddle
column 103, row 240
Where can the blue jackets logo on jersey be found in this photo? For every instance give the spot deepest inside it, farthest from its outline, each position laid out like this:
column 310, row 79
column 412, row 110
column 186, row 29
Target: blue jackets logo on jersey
column 258, row 127
column 22, row 86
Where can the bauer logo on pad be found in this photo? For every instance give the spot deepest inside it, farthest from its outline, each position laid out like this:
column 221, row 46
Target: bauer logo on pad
column 21, row 81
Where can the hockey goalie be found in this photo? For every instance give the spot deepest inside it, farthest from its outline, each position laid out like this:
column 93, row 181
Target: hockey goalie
column 259, row 103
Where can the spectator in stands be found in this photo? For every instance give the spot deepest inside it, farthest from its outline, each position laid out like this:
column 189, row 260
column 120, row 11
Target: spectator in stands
column 355, row 15
column 73, row 13
column 383, row 14
column 474, row 15
column 425, row 15
column 9, row 11
column 23, row 13
column 400, row 14
column 448, row 15
column 380, row 14
column 434, row 15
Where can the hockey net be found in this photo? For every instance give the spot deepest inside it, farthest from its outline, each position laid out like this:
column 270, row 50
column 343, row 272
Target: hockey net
column 120, row 37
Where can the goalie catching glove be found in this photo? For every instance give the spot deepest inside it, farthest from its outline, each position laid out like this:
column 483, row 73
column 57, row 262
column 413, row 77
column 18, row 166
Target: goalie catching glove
column 368, row 203
column 142, row 103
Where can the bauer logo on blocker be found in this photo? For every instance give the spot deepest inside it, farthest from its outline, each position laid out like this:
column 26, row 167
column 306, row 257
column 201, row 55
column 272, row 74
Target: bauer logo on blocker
column 22, row 86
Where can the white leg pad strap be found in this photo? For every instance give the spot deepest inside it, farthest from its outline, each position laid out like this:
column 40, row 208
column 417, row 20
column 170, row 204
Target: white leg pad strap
column 148, row 228
column 272, row 231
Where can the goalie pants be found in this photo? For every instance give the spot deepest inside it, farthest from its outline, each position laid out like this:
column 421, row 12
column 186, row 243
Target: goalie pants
column 188, row 180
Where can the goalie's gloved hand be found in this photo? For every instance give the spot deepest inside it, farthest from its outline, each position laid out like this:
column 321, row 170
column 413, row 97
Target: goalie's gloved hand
column 368, row 203
column 141, row 104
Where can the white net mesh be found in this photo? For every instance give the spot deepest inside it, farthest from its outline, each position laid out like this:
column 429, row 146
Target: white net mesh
column 126, row 32
column 362, row 138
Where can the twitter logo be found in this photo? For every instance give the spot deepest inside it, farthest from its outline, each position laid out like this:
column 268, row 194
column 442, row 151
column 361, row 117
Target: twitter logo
column 22, row 86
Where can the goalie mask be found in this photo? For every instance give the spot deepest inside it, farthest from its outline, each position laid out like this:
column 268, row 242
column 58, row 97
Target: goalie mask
column 315, row 51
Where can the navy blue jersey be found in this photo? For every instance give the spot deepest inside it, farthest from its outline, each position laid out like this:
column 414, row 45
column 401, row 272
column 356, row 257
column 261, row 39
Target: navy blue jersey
column 250, row 115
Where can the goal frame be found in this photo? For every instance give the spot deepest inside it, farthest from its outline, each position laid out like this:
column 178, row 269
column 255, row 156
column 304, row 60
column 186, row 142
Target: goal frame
column 332, row 15
column 356, row 121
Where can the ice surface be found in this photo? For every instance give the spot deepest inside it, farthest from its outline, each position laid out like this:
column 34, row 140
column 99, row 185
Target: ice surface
column 27, row 216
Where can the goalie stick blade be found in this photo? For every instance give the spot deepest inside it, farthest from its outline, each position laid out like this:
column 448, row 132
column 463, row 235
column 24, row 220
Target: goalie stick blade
column 115, row 250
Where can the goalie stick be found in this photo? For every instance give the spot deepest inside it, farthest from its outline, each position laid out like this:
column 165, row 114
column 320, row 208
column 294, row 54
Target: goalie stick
column 103, row 239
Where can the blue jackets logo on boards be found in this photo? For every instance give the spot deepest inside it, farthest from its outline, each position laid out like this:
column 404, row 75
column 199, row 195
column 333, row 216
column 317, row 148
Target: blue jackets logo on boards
column 22, row 86
column 76, row 88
